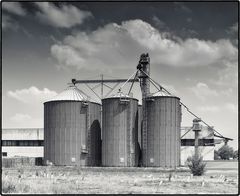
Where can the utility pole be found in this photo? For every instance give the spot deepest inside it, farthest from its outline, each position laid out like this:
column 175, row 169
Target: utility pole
column 196, row 129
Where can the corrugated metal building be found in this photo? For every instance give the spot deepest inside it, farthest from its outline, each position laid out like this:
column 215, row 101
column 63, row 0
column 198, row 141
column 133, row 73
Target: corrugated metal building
column 120, row 131
column 72, row 132
column 163, row 131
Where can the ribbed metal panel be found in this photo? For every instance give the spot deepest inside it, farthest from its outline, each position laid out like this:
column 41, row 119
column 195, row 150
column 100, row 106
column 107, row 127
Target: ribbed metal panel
column 163, row 132
column 140, row 125
column 120, row 132
column 69, row 126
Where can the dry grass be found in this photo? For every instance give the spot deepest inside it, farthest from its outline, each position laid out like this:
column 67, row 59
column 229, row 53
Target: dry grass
column 115, row 180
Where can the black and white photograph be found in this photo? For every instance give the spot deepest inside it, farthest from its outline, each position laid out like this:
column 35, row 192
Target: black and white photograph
column 119, row 97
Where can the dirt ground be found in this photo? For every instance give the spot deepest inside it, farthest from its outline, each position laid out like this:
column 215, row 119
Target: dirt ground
column 98, row 180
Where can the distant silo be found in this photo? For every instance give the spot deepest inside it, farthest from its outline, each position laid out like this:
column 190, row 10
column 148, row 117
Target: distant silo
column 163, row 131
column 72, row 132
column 120, row 131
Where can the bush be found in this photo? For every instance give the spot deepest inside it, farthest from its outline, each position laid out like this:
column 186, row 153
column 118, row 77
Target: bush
column 196, row 165
column 235, row 154
column 225, row 152
column 216, row 156
column 8, row 187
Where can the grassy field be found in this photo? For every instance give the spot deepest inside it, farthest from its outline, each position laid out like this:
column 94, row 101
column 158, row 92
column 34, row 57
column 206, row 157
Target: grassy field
column 52, row 179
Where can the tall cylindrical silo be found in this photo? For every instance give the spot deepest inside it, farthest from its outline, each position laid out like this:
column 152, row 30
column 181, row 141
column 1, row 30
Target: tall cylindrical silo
column 72, row 132
column 140, row 125
column 163, row 131
column 120, row 131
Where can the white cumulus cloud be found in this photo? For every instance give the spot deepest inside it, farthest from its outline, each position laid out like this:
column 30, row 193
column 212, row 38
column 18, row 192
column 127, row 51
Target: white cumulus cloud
column 64, row 16
column 32, row 95
column 14, row 8
column 202, row 91
column 120, row 46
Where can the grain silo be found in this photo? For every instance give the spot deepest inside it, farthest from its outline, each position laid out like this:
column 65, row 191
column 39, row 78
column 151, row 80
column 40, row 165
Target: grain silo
column 72, row 132
column 163, row 131
column 140, row 125
column 120, row 131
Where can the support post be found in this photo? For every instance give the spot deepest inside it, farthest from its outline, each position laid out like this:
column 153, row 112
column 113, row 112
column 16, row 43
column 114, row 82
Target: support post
column 196, row 129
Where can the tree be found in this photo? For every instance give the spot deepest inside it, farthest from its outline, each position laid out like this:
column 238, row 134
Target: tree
column 225, row 152
column 216, row 156
column 235, row 154
column 196, row 165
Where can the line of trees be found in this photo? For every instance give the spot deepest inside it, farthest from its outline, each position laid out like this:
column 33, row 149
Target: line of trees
column 225, row 153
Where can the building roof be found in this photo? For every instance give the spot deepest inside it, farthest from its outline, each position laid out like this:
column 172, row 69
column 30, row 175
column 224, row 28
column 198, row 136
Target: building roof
column 72, row 93
column 205, row 133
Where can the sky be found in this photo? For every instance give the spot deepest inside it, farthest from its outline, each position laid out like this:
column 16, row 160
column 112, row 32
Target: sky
column 193, row 49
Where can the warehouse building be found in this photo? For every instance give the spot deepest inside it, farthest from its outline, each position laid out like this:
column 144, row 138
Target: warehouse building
column 29, row 142
column 22, row 142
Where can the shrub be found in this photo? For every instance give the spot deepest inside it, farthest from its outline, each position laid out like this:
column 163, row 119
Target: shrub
column 216, row 156
column 235, row 154
column 196, row 165
column 8, row 187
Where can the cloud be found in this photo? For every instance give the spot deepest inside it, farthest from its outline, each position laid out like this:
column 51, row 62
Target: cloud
column 202, row 91
column 231, row 107
column 18, row 117
column 208, row 108
column 119, row 46
column 20, row 120
column 233, row 29
column 64, row 16
column 182, row 7
column 228, row 76
column 159, row 23
column 13, row 8
column 31, row 95
column 8, row 23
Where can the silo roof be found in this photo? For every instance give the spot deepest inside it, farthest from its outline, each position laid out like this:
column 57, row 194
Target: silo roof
column 72, row 93
column 119, row 94
column 162, row 94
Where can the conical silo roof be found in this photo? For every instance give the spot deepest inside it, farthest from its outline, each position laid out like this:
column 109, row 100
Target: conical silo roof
column 120, row 94
column 71, row 93
column 160, row 93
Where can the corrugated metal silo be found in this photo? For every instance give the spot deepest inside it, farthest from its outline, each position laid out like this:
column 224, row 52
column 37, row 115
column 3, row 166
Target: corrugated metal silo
column 72, row 132
column 163, row 131
column 120, row 131
column 140, row 125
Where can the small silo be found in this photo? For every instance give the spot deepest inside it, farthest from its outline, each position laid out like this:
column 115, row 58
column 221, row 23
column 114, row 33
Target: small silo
column 120, row 131
column 163, row 131
column 72, row 132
